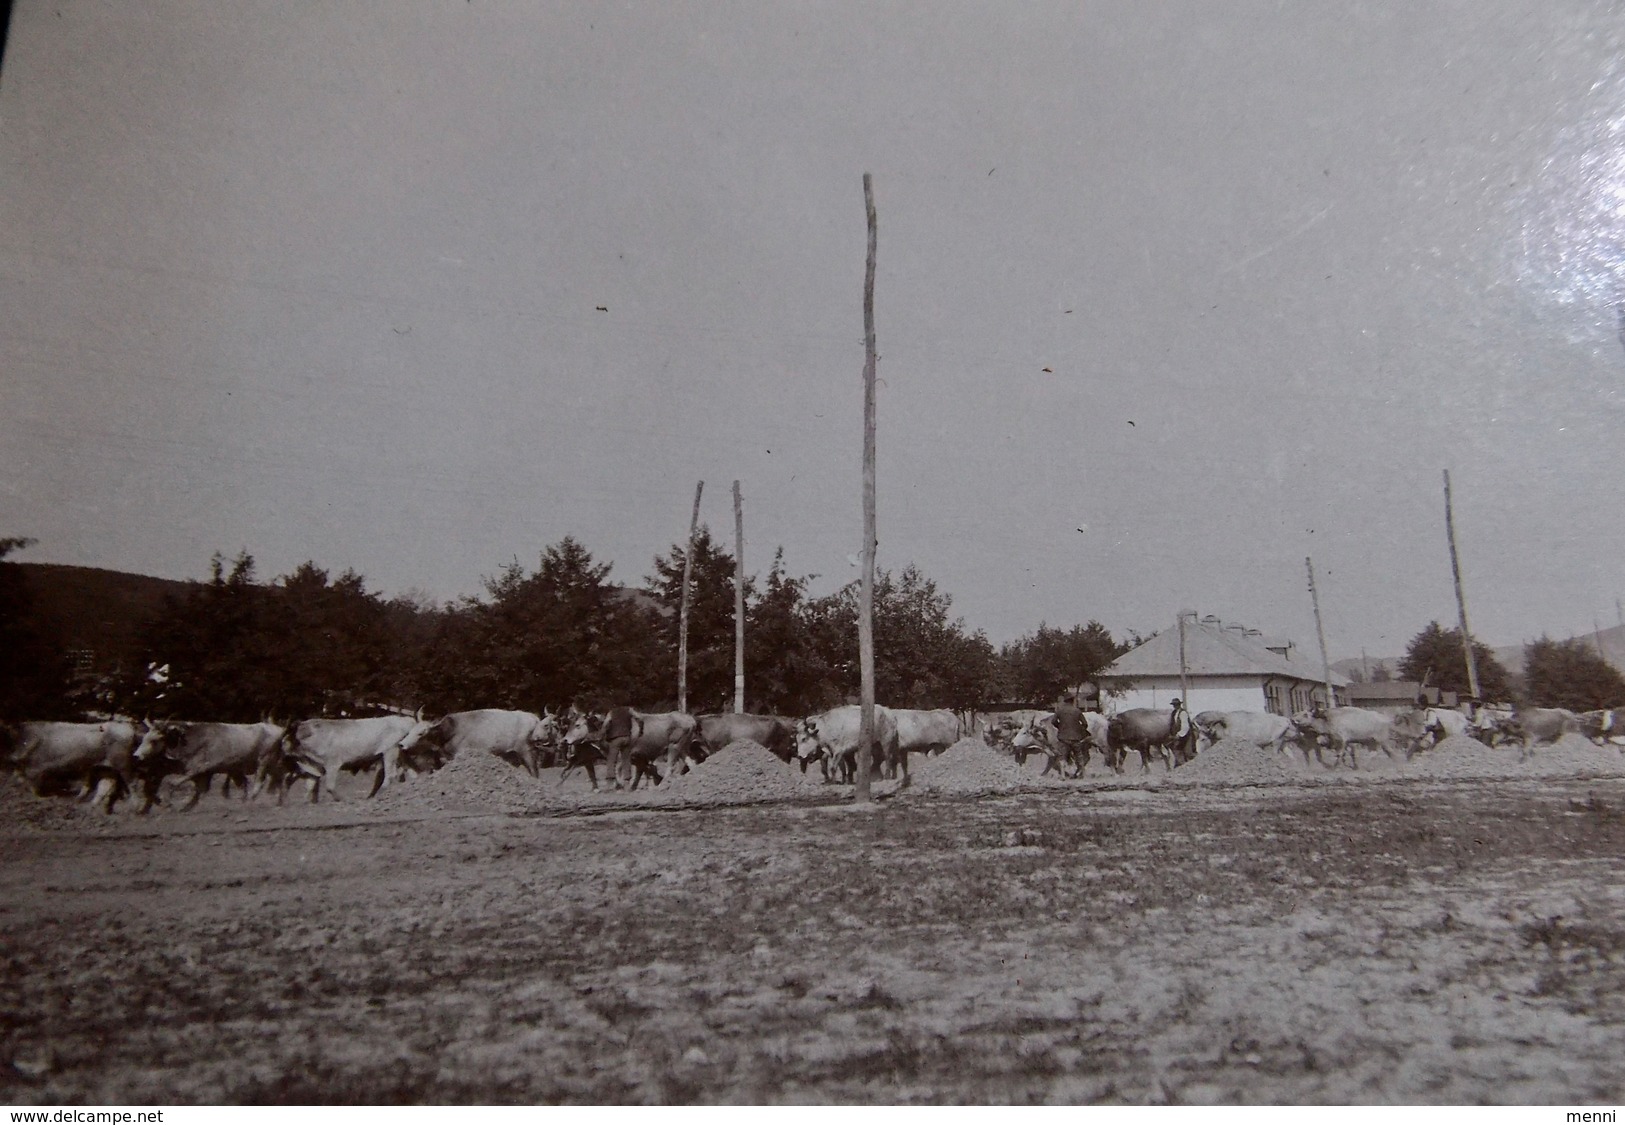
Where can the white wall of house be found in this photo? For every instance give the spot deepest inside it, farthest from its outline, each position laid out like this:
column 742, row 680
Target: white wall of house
column 1207, row 693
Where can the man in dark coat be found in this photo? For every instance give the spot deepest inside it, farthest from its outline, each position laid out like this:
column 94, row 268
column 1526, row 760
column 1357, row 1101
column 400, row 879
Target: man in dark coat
column 619, row 729
column 1070, row 730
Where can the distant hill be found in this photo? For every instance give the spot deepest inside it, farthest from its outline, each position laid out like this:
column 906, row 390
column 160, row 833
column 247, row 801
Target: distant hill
column 95, row 611
column 100, row 612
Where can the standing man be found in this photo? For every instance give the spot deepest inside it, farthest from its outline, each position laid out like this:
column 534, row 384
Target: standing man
column 619, row 729
column 1070, row 730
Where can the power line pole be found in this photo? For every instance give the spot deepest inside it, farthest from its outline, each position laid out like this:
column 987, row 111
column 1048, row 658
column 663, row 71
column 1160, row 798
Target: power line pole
column 739, row 602
column 866, row 603
column 1461, row 597
column 1184, row 679
column 1320, row 633
column 682, row 614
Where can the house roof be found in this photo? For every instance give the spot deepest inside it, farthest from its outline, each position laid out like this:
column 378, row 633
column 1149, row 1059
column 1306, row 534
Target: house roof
column 1408, row 690
column 1213, row 648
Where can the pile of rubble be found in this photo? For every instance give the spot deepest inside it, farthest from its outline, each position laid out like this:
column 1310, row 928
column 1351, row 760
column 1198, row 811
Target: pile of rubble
column 742, row 772
column 471, row 782
column 969, row 766
column 1237, row 762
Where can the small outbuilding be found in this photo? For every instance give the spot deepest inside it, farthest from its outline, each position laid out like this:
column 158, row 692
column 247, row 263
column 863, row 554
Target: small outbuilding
column 1227, row 667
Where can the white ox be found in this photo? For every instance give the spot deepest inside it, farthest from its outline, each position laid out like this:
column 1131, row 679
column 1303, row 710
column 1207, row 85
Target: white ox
column 321, row 748
column 1256, row 728
column 1039, row 733
column 832, row 737
column 97, row 756
column 517, row 737
column 924, row 732
column 1344, row 728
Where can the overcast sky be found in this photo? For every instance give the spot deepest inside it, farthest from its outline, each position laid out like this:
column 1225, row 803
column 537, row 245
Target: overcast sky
column 1170, row 296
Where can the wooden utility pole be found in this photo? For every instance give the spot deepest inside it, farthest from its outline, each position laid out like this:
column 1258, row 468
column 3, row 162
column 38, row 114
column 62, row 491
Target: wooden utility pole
column 739, row 603
column 866, row 603
column 1320, row 632
column 682, row 613
column 1184, row 679
column 1461, row 598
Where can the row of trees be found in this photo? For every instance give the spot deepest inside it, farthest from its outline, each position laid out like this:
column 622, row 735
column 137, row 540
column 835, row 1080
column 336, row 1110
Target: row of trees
column 309, row 643
column 1569, row 674
column 235, row 648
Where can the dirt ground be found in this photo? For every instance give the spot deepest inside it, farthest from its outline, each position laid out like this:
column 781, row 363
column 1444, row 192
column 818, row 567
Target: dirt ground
column 1402, row 939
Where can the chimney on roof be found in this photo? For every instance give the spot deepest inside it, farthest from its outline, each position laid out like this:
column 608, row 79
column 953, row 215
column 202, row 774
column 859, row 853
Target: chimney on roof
column 1234, row 628
column 1210, row 619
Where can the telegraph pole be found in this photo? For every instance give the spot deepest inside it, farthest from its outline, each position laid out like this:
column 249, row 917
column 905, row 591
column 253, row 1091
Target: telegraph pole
column 1320, row 633
column 682, row 615
column 1461, row 597
column 866, row 603
column 1184, row 679
column 739, row 603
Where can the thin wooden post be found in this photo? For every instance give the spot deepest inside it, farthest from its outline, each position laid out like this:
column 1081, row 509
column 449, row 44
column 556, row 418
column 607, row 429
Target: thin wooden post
column 1184, row 679
column 1461, row 597
column 866, row 597
column 682, row 613
column 739, row 602
column 1320, row 632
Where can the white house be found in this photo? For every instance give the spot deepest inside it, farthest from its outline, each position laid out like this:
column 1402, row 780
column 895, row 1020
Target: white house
column 1228, row 667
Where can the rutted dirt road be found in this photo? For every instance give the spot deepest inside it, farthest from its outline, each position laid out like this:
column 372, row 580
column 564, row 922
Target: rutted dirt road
column 1394, row 941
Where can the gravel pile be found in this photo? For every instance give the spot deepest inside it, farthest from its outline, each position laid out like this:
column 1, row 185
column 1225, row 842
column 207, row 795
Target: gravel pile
column 1462, row 757
column 1236, row 762
column 1573, row 754
column 741, row 772
column 969, row 766
column 473, row 782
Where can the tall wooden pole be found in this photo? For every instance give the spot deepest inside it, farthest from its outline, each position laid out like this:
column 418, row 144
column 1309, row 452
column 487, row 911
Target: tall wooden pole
column 1184, row 679
column 866, row 603
column 1461, row 597
column 739, row 602
column 1320, row 632
column 682, row 614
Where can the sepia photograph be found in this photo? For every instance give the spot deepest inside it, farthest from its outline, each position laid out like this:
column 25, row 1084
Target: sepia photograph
column 614, row 553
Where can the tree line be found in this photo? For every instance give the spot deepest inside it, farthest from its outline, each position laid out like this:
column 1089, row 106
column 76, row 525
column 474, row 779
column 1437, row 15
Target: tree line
column 1569, row 674
column 235, row 648
column 238, row 649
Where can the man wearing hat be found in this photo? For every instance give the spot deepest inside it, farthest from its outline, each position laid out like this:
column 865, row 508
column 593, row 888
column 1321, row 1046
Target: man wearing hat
column 1070, row 730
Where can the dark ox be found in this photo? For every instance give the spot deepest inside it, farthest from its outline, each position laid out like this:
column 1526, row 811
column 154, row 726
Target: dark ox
column 1148, row 731
column 669, row 736
column 713, row 732
column 198, row 752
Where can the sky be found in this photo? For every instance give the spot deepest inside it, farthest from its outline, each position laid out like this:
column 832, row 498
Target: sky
column 1170, row 297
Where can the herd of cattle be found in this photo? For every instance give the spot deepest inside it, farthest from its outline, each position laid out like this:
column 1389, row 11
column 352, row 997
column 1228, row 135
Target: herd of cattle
column 107, row 761
column 1342, row 730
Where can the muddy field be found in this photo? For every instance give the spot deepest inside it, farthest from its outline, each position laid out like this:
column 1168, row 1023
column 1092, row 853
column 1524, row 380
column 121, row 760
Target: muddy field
column 1320, row 938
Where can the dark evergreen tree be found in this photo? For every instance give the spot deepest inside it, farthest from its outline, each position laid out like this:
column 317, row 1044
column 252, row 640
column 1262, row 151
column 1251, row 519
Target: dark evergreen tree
column 1571, row 674
column 1435, row 656
column 710, row 619
column 35, row 680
